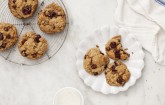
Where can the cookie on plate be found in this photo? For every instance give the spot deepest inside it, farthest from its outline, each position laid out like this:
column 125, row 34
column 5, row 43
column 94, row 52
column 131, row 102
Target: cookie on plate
column 23, row 8
column 8, row 36
column 117, row 74
column 95, row 62
column 114, row 49
column 52, row 19
column 32, row 45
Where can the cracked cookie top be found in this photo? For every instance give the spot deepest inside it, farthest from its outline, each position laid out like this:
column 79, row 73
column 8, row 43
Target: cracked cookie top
column 52, row 19
column 32, row 45
column 114, row 49
column 117, row 74
column 8, row 36
column 95, row 62
column 23, row 8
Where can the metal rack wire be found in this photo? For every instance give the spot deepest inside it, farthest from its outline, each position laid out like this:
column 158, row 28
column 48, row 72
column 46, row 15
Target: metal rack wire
column 23, row 25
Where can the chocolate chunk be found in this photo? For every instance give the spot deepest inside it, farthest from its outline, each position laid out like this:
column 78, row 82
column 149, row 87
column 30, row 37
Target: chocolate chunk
column 26, row 10
column 105, row 66
column 113, row 44
column 101, row 53
column 108, row 49
column 113, row 68
column 117, row 54
column 8, row 36
column 37, row 38
column 120, row 80
column 93, row 66
column 14, row 6
column 6, row 28
column 25, row 0
column 23, row 42
column 95, row 73
column 13, row 1
column 1, row 36
column 85, row 56
column 3, row 45
column 50, row 14
column 34, row 55
column 24, row 53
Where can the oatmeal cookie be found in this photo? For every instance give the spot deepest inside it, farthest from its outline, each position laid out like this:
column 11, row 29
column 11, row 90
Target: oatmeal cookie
column 117, row 74
column 23, row 8
column 32, row 45
column 52, row 19
column 8, row 36
column 95, row 62
column 114, row 49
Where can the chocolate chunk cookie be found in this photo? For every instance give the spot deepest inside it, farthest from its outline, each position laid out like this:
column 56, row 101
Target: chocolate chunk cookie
column 32, row 45
column 114, row 49
column 8, row 36
column 23, row 8
column 95, row 62
column 117, row 74
column 52, row 19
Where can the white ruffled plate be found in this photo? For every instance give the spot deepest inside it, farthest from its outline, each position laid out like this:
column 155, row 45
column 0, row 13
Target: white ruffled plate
column 100, row 37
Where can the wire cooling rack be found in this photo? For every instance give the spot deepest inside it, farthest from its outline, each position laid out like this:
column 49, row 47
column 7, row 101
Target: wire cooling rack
column 55, row 42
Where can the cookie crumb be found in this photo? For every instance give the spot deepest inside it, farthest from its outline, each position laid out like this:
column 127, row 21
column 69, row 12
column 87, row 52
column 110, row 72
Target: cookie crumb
column 97, row 46
column 125, row 49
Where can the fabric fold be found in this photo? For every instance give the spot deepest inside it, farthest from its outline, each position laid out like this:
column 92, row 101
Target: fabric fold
column 140, row 17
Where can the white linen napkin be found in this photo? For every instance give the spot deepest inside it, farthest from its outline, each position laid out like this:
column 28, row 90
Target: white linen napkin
column 144, row 19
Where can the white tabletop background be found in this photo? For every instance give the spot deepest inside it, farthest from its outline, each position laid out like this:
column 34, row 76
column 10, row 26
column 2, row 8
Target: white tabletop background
column 36, row 85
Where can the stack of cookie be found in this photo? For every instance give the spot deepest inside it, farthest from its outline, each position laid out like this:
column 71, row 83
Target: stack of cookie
column 116, row 73
column 51, row 19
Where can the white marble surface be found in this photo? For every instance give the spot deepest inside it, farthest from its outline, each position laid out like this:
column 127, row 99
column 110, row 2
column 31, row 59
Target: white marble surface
column 36, row 85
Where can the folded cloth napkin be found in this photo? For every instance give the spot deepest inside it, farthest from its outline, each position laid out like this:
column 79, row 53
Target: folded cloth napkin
column 144, row 19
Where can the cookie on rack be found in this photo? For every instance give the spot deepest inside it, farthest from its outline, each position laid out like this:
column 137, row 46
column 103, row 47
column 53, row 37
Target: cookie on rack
column 8, row 36
column 95, row 62
column 114, row 49
column 52, row 19
column 117, row 74
column 23, row 8
column 32, row 45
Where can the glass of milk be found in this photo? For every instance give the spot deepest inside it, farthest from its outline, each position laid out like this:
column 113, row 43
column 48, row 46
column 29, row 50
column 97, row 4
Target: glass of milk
column 68, row 96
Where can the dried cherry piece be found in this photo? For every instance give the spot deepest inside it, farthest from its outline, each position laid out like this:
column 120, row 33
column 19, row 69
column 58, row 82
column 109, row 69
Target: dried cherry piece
column 113, row 68
column 120, row 80
column 50, row 14
column 117, row 54
column 23, row 41
column 1, row 36
column 8, row 36
column 14, row 6
column 37, row 38
column 26, row 10
column 3, row 45
column 6, row 28
column 93, row 66
column 13, row 1
column 113, row 44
